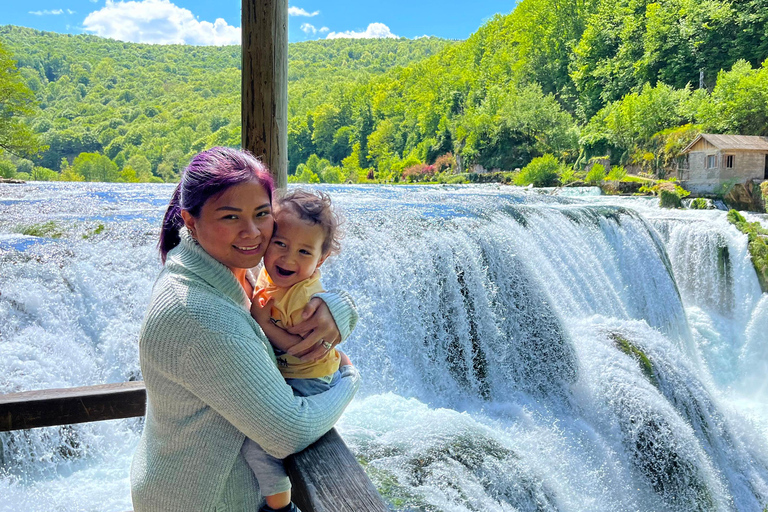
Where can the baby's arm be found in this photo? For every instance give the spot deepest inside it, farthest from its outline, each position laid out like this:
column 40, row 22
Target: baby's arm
column 277, row 336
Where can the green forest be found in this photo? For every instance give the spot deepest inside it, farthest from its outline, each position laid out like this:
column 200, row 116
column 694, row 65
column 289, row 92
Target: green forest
column 544, row 89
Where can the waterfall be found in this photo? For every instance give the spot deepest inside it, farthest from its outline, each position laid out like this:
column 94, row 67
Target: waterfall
column 518, row 351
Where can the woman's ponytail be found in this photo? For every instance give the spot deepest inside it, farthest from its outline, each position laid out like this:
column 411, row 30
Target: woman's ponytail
column 172, row 223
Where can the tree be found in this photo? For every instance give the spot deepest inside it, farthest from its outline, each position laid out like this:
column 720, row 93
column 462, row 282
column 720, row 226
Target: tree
column 95, row 167
column 16, row 101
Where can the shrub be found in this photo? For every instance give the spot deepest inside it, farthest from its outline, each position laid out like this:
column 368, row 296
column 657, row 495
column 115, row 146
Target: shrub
column 304, row 175
column 666, row 189
column 669, row 199
column 617, row 173
column 596, row 175
column 419, row 172
column 764, row 190
column 540, row 172
column 445, row 162
column 331, row 174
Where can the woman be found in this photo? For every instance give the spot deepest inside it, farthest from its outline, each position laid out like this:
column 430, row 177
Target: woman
column 209, row 370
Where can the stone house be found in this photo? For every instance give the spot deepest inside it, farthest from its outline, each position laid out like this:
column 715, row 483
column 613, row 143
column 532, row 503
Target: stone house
column 715, row 160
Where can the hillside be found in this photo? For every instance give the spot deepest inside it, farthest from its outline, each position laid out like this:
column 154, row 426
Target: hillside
column 168, row 102
column 631, row 79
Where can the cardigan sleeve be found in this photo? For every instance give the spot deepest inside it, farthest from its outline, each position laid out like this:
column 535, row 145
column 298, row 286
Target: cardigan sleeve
column 236, row 377
column 343, row 310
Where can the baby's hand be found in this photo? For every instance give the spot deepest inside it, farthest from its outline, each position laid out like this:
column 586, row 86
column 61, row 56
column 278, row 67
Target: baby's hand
column 261, row 307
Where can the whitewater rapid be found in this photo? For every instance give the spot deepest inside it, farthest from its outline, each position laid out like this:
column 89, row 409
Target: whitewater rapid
column 519, row 351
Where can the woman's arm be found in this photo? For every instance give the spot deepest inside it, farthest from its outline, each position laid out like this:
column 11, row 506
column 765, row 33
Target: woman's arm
column 261, row 307
column 236, row 376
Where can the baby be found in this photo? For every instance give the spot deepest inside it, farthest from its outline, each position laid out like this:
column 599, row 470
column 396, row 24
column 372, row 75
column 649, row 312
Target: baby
column 306, row 233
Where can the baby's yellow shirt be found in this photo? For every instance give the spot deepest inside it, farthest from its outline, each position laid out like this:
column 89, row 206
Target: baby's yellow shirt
column 287, row 305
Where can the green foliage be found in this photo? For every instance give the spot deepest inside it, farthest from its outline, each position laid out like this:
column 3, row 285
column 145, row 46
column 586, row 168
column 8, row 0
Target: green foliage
column 541, row 172
column 617, row 173
column 95, row 167
column 739, row 101
column 43, row 174
column 304, row 175
column 44, row 230
column 16, row 102
column 764, row 191
column 7, row 169
column 699, row 204
column 758, row 245
column 596, row 174
column 669, row 199
column 545, row 79
column 638, row 355
column 95, row 231
column 568, row 175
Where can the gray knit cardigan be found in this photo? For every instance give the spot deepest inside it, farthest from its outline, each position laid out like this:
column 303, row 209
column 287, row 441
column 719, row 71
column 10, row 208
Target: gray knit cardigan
column 211, row 380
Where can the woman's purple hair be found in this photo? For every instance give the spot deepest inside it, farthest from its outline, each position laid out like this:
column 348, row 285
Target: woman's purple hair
column 209, row 173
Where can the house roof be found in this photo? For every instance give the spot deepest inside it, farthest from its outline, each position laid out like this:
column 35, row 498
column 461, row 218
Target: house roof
column 744, row 142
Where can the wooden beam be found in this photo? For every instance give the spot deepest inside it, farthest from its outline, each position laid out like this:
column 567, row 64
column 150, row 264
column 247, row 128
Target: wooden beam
column 50, row 407
column 326, row 477
column 265, row 84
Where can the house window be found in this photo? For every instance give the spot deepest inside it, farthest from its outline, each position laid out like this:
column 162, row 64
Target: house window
column 711, row 161
column 729, row 161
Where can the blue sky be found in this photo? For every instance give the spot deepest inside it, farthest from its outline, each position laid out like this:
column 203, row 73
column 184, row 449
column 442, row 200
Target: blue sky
column 218, row 21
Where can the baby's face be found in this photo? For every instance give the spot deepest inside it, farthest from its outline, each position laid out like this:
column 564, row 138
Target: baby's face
column 295, row 251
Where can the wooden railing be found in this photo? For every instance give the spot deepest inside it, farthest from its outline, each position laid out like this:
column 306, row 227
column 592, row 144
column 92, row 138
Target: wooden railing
column 326, row 476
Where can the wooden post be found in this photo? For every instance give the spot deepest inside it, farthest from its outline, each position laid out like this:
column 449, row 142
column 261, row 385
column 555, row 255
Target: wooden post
column 326, row 477
column 265, row 84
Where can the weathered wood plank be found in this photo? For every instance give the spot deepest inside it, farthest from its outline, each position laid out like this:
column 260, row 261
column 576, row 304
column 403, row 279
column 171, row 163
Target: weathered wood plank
column 264, row 100
column 50, row 407
column 326, row 477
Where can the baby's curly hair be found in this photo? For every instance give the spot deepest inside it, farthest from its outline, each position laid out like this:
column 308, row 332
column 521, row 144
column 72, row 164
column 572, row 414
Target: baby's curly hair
column 314, row 207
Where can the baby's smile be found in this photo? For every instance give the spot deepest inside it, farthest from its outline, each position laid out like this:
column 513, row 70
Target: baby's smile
column 283, row 272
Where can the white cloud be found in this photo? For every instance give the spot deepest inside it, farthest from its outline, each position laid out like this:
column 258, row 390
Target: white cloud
column 70, row 11
column 158, row 22
column 298, row 11
column 308, row 28
column 323, row 30
column 54, row 12
column 374, row 31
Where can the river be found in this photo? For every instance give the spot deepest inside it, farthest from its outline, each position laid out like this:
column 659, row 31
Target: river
column 520, row 351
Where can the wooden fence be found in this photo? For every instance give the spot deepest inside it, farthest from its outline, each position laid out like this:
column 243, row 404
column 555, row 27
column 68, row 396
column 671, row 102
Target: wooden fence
column 326, row 476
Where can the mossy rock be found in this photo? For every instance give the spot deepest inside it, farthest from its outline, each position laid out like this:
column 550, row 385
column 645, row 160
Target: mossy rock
column 44, row 230
column 95, row 231
column 699, row 204
column 758, row 245
column 638, row 355
column 669, row 199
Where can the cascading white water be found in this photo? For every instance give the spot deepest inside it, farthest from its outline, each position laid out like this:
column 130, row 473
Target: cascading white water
column 519, row 351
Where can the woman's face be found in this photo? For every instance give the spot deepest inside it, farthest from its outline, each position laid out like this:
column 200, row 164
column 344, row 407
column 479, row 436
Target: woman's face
column 235, row 226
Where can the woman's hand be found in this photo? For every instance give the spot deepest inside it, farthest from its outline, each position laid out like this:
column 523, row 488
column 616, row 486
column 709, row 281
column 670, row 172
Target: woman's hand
column 318, row 330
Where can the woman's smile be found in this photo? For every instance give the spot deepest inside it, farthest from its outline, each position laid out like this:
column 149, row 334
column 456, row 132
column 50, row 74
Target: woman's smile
column 235, row 226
